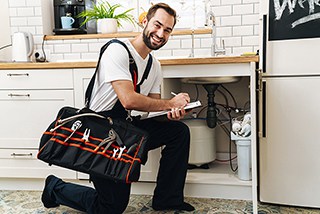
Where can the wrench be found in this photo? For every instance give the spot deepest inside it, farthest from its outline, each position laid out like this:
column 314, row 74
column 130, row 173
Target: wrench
column 108, row 140
column 115, row 150
column 121, row 151
column 75, row 126
column 108, row 145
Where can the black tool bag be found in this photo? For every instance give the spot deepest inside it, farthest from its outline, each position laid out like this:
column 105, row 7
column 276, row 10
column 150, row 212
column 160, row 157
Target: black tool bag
column 91, row 142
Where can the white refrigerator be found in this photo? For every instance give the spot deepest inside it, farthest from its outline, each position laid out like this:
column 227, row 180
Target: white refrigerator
column 289, row 104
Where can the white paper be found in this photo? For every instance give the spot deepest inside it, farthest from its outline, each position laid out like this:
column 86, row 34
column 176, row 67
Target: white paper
column 145, row 115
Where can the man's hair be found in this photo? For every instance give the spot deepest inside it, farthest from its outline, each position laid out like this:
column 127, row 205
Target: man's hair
column 163, row 6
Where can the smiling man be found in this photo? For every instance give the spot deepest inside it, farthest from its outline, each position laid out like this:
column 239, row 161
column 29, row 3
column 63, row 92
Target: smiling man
column 114, row 94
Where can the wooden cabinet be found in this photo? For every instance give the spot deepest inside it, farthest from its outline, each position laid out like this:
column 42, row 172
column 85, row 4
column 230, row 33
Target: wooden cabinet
column 30, row 100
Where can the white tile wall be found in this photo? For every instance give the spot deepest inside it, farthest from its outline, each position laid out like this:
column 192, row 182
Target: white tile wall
column 236, row 25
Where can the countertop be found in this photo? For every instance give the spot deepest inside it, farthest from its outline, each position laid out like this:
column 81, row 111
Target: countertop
column 164, row 62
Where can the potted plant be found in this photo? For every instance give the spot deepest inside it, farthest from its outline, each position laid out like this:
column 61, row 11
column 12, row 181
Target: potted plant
column 107, row 20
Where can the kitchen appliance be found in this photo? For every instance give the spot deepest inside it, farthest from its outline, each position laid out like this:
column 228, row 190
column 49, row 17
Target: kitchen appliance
column 289, row 86
column 22, row 47
column 71, row 8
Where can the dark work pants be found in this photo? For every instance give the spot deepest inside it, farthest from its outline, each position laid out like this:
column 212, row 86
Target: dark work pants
column 112, row 197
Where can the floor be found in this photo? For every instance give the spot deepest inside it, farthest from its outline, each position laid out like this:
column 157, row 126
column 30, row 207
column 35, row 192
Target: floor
column 28, row 202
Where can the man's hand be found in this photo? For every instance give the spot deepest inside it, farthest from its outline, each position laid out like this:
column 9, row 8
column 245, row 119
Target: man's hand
column 179, row 102
column 176, row 114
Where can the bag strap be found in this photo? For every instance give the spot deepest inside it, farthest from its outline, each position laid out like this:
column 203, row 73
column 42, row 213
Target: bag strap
column 133, row 70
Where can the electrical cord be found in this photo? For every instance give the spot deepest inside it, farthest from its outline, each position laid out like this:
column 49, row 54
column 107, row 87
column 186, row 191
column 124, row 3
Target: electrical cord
column 44, row 58
column 6, row 46
column 197, row 91
column 232, row 97
column 42, row 47
column 224, row 96
column 230, row 144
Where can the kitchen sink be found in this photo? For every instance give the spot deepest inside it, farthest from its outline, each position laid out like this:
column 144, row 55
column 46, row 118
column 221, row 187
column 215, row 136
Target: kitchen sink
column 210, row 80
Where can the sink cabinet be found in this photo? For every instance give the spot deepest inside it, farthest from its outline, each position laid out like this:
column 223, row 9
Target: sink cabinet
column 219, row 182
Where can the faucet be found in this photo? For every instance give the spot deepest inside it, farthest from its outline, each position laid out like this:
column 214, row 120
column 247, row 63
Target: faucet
column 219, row 51
column 211, row 22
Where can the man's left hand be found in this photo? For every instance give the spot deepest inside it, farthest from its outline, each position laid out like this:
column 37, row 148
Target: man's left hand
column 176, row 114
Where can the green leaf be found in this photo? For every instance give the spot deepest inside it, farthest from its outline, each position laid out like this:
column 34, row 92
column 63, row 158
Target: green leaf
column 105, row 10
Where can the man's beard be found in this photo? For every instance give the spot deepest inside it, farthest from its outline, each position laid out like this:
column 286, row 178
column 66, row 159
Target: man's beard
column 148, row 43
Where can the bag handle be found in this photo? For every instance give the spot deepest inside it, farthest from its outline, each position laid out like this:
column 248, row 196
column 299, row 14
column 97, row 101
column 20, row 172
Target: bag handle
column 133, row 70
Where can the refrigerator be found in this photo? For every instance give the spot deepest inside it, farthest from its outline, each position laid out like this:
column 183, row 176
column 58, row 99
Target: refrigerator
column 289, row 104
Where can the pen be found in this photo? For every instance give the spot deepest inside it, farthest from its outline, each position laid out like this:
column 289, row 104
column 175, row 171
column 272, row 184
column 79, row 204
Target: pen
column 174, row 94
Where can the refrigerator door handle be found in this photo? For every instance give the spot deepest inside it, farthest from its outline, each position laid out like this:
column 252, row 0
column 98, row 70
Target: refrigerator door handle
column 262, row 93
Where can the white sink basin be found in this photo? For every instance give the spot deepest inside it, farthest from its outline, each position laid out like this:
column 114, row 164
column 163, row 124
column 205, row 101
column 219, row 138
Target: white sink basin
column 210, row 80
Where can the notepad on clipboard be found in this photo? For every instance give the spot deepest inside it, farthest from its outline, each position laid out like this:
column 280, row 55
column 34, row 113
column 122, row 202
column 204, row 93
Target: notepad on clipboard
column 146, row 115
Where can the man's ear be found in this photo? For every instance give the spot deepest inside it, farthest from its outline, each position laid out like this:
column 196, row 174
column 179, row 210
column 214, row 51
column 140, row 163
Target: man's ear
column 144, row 22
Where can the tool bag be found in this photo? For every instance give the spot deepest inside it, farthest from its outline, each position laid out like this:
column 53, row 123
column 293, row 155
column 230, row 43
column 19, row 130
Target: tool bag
column 93, row 143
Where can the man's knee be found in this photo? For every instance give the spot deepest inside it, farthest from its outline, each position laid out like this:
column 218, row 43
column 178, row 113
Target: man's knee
column 182, row 129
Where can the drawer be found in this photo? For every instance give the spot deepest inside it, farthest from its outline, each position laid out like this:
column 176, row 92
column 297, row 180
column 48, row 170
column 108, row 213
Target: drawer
column 23, row 163
column 36, row 79
column 25, row 115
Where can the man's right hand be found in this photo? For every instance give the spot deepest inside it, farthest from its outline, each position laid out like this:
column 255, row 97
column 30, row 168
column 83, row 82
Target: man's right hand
column 180, row 100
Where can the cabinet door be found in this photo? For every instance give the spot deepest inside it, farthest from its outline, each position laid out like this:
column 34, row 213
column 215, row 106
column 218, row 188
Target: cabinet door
column 25, row 115
column 23, row 163
column 81, row 80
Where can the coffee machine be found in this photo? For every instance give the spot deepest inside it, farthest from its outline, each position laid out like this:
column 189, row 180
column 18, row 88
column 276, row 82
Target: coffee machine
column 71, row 8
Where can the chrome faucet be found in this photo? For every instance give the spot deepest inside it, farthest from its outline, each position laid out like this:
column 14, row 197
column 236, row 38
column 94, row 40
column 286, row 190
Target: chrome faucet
column 211, row 22
column 219, row 51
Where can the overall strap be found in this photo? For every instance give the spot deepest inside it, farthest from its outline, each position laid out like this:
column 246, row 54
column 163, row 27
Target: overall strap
column 133, row 70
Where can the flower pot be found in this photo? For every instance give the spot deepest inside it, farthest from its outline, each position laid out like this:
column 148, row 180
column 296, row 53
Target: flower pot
column 107, row 25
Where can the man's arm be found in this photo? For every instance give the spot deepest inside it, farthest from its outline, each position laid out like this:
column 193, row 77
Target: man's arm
column 135, row 101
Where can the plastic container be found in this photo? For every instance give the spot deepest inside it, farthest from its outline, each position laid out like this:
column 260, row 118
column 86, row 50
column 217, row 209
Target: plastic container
column 243, row 156
column 202, row 142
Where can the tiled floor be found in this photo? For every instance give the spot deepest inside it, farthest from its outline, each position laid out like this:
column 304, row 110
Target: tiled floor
column 28, row 202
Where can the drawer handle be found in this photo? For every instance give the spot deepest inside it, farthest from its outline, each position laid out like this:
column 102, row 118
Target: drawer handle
column 12, row 75
column 19, row 95
column 21, row 154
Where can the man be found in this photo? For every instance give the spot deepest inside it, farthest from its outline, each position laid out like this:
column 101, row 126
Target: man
column 113, row 86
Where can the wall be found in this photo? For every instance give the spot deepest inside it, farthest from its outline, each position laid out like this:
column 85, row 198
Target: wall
column 236, row 20
column 5, row 39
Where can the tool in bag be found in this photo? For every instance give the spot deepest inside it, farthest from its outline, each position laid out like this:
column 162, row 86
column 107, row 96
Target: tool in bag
column 94, row 142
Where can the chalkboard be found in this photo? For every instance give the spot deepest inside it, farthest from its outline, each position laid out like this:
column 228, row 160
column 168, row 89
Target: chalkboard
column 294, row 19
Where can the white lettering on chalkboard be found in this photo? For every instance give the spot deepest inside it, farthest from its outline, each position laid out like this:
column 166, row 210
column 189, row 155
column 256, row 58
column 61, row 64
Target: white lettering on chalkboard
column 291, row 4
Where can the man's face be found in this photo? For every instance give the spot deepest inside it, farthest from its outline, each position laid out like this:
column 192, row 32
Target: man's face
column 158, row 30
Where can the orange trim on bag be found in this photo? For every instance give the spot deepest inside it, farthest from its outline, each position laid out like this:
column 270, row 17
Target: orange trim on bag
column 85, row 142
column 136, row 153
column 92, row 151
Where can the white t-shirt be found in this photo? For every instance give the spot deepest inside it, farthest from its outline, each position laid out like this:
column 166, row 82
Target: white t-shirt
column 114, row 65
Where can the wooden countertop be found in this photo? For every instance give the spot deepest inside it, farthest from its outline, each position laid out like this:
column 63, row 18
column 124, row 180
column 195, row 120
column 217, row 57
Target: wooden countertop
column 164, row 62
